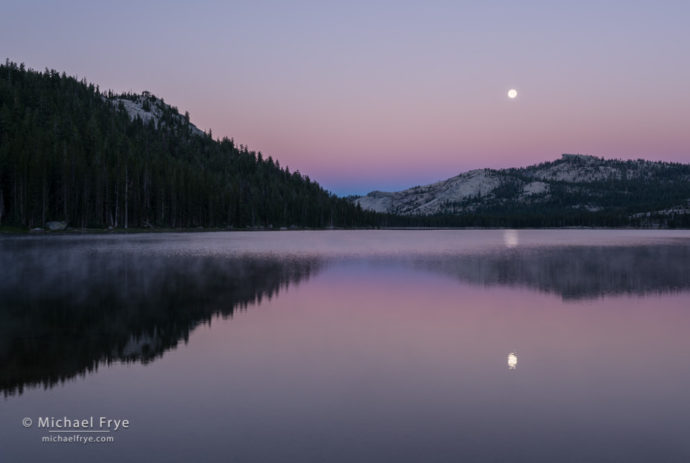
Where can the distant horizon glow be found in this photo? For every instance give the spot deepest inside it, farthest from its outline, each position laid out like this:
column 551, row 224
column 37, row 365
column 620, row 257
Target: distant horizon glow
column 386, row 96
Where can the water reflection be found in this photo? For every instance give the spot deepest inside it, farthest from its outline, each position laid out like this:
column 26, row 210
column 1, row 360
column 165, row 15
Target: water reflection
column 395, row 351
column 581, row 272
column 68, row 307
column 67, row 310
column 511, row 238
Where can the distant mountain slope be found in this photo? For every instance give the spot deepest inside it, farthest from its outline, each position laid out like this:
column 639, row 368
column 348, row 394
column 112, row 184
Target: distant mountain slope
column 70, row 153
column 572, row 184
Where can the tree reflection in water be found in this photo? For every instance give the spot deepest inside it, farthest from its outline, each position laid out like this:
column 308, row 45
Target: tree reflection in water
column 574, row 273
column 66, row 308
column 65, row 312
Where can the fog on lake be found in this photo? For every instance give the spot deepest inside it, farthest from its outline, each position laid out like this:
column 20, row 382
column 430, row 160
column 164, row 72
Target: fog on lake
column 439, row 345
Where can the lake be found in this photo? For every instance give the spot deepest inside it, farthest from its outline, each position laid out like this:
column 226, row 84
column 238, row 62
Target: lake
column 348, row 346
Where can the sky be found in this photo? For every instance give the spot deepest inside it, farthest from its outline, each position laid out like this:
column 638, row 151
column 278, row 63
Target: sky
column 373, row 95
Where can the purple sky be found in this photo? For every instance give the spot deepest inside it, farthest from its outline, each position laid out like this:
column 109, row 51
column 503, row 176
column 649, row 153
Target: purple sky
column 387, row 95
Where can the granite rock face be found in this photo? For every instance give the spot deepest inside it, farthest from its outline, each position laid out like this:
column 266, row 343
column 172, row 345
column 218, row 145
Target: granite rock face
column 575, row 181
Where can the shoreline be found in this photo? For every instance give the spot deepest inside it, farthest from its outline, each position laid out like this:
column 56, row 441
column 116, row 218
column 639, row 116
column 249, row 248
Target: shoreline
column 16, row 231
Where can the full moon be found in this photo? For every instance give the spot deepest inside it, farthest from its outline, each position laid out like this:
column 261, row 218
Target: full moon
column 512, row 93
column 512, row 361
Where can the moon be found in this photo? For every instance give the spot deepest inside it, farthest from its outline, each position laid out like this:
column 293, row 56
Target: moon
column 512, row 361
column 512, row 93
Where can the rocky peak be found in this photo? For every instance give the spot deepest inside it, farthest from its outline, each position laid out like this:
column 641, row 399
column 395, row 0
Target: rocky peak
column 575, row 181
column 148, row 107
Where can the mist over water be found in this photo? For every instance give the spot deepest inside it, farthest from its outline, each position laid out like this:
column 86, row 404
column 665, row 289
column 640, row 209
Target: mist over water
column 486, row 345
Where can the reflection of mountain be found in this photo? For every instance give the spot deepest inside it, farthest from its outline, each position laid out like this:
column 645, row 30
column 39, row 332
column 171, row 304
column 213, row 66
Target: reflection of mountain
column 67, row 308
column 64, row 312
column 575, row 272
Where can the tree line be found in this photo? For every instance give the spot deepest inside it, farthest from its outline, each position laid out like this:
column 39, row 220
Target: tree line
column 69, row 153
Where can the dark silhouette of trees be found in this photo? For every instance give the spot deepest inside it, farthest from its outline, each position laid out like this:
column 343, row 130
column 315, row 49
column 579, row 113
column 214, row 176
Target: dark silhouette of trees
column 69, row 153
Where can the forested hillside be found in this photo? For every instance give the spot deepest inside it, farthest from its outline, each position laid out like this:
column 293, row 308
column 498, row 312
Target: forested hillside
column 69, row 152
column 91, row 159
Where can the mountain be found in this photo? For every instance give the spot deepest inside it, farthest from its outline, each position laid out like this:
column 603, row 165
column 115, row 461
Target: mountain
column 631, row 192
column 71, row 153
column 74, row 155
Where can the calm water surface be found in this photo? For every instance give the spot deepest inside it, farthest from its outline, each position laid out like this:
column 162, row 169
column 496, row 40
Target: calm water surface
column 350, row 346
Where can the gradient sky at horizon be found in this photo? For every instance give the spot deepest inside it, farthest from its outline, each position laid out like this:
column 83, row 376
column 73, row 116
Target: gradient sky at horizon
column 387, row 95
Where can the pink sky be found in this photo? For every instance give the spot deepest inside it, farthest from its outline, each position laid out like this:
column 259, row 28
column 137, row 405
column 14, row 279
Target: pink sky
column 386, row 95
